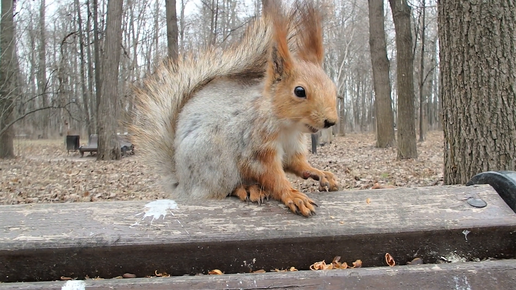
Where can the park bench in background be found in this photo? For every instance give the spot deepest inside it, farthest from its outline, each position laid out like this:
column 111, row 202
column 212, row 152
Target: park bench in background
column 441, row 224
column 92, row 146
column 126, row 147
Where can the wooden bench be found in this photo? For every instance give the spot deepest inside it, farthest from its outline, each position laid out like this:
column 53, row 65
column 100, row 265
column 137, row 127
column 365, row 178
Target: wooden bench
column 126, row 147
column 92, row 146
column 44, row 242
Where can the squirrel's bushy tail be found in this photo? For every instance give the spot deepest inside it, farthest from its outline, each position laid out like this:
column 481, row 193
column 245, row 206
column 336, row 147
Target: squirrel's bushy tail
column 163, row 95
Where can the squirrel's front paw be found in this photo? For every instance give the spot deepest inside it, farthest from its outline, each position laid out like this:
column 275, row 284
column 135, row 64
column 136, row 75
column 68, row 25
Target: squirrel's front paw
column 328, row 182
column 326, row 179
column 299, row 203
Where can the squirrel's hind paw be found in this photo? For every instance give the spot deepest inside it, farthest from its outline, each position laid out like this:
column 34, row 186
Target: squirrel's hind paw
column 295, row 200
column 252, row 193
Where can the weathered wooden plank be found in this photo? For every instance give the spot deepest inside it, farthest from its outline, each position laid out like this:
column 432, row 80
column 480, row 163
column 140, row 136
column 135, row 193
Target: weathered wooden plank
column 471, row 275
column 112, row 238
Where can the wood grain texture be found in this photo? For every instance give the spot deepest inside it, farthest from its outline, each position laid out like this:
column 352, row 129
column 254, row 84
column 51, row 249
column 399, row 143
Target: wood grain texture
column 471, row 275
column 111, row 238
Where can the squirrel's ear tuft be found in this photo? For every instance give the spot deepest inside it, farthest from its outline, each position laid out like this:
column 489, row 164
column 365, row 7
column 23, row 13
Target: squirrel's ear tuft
column 309, row 32
column 280, row 62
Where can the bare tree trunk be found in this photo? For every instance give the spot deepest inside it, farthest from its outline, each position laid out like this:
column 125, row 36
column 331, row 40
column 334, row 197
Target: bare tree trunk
column 182, row 23
column 436, row 100
column 382, row 84
column 407, row 147
column 42, row 71
column 156, row 34
column 32, row 73
column 98, row 65
column 108, row 145
column 356, row 112
column 214, row 19
column 92, row 105
column 7, row 79
column 84, row 92
column 478, row 86
column 422, row 75
column 172, row 30
column 363, row 109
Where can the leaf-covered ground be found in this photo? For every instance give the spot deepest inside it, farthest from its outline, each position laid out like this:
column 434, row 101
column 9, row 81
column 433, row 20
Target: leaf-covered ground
column 46, row 172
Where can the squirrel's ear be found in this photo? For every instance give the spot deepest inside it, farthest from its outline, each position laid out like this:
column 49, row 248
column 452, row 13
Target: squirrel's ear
column 280, row 61
column 310, row 32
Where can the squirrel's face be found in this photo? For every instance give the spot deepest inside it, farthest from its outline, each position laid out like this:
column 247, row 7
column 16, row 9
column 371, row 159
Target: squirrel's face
column 307, row 97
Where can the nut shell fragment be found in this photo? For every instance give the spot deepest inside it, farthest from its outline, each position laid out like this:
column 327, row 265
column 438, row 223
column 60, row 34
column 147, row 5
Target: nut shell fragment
column 415, row 261
column 357, row 264
column 215, row 272
column 389, row 260
column 335, row 264
column 259, row 271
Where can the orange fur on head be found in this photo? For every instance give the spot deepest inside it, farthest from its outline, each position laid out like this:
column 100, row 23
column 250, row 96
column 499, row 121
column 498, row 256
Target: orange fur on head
column 299, row 65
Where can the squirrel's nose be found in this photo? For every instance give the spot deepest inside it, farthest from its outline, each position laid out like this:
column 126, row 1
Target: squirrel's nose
column 328, row 124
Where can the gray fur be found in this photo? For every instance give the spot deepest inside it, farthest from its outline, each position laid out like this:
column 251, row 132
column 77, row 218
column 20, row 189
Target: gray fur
column 209, row 150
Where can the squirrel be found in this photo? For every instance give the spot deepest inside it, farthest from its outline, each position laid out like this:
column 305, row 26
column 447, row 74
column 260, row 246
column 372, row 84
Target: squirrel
column 234, row 121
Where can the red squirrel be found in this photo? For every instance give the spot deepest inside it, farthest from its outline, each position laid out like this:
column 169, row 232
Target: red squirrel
column 234, row 121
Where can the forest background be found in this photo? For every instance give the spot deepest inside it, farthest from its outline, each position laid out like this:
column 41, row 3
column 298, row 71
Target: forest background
column 402, row 68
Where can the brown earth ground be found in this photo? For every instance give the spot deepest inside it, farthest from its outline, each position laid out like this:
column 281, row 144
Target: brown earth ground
column 46, row 172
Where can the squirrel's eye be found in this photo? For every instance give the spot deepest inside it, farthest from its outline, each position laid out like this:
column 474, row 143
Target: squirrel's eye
column 300, row 92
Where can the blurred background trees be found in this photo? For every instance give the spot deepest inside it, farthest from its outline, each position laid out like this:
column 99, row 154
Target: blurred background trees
column 60, row 47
